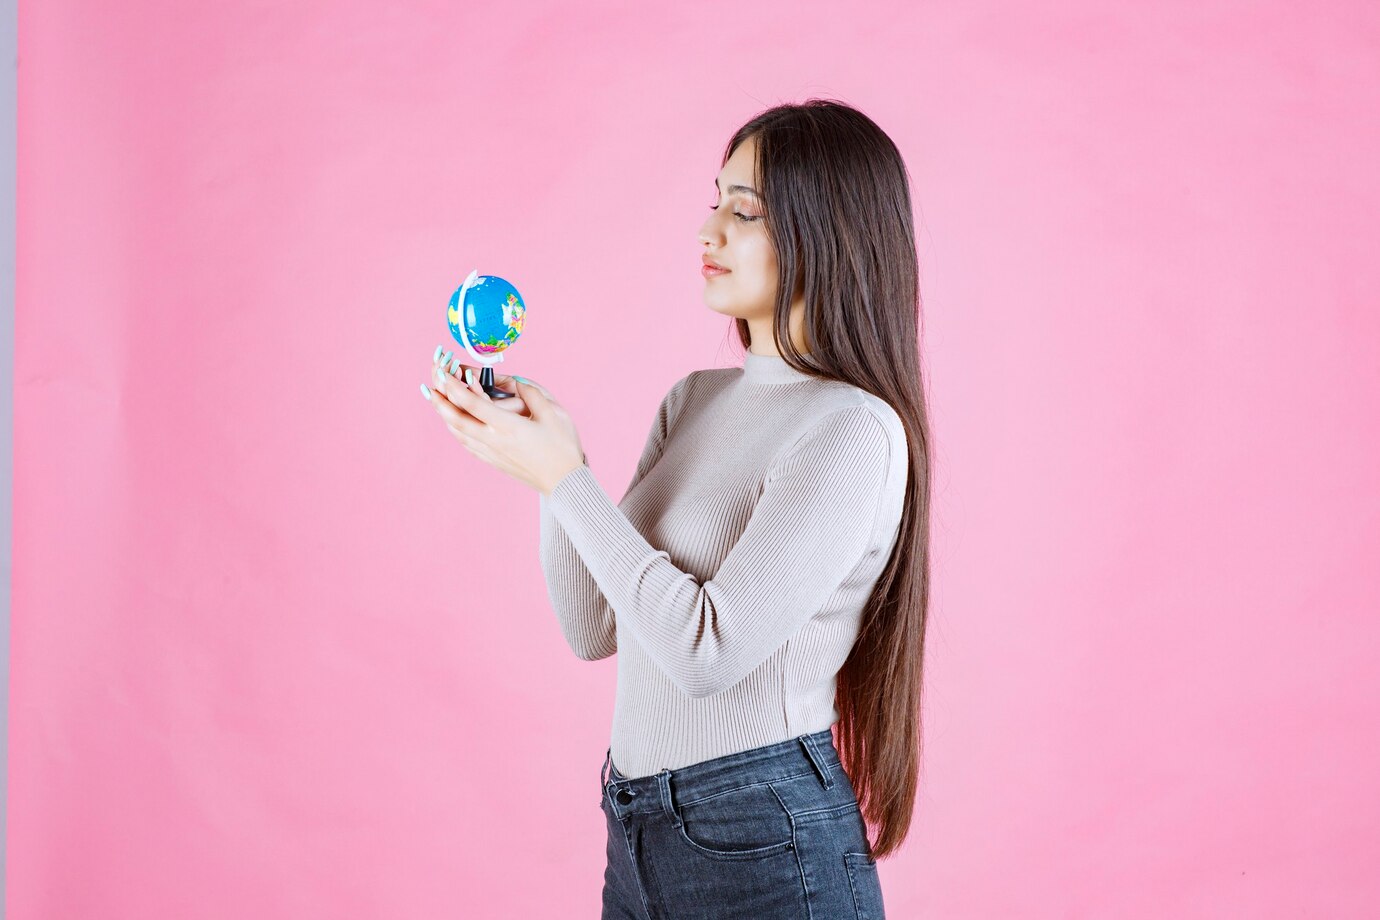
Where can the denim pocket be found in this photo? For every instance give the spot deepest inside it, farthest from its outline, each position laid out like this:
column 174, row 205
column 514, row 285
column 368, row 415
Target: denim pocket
column 865, row 884
column 748, row 822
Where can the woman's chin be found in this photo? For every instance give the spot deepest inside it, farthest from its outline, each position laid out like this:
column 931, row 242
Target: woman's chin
column 720, row 304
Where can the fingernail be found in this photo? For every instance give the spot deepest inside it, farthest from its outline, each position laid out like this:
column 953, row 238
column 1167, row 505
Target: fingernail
column 426, row 392
column 440, row 377
column 445, row 359
column 455, row 365
column 523, row 379
column 469, row 375
column 437, row 356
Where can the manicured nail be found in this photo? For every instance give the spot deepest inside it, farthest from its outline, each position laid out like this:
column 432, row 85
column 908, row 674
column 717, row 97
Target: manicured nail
column 440, row 377
column 523, row 379
column 426, row 392
column 455, row 365
column 437, row 356
column 445, row 358
column 469, row 375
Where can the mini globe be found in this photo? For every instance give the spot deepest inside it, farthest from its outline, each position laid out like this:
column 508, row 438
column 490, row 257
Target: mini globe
column 485, row 315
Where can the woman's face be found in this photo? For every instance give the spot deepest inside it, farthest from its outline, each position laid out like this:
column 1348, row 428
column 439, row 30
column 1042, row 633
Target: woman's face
column 735, row 236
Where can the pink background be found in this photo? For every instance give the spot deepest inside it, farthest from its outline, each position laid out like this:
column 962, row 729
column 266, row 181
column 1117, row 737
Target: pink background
column 282, row 648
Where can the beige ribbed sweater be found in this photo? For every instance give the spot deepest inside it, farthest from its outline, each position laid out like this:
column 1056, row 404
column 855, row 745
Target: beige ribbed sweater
column 731, row 576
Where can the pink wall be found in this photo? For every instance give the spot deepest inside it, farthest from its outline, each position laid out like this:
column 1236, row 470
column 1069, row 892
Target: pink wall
column 281, row 647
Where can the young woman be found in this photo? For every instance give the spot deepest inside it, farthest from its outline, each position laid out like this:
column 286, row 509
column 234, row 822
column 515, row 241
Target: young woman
column 765, row 576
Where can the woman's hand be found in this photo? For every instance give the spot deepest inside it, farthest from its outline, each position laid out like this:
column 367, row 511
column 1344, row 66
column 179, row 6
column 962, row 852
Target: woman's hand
column 528, row 436
column 507, row 384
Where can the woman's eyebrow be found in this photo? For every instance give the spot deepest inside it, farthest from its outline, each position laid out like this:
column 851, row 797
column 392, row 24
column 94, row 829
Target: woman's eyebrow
column 737, row 188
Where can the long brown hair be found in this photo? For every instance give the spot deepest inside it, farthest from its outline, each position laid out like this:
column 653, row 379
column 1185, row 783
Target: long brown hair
column 838, row 212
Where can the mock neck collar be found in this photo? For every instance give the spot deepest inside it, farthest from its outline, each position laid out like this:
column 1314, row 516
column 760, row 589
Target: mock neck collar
column 765, row 369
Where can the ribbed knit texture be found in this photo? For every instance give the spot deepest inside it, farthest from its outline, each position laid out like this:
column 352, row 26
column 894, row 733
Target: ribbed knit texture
column 731, row 577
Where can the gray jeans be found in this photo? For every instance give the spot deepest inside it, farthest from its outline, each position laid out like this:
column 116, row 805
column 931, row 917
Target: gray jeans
column 771, row 832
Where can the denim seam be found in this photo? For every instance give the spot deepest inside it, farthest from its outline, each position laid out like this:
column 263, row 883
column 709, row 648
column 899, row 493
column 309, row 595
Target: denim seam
column 637, row 872
column 772, row 849
column 800, row 868
column 852, row 865
column 837, row 809
column 852, row 884
column 766, row 782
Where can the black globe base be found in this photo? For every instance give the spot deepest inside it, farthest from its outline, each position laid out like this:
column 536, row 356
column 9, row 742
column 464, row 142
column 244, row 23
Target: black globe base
column 486, row 383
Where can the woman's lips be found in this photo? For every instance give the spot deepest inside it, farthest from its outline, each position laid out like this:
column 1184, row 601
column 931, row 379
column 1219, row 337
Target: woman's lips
column 710, row 271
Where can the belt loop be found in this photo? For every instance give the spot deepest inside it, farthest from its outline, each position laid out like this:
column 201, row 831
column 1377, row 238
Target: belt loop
column 604, row 771
column 663, row 780
column 817, row 761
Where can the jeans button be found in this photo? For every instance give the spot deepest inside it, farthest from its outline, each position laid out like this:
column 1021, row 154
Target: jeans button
column 624, row 797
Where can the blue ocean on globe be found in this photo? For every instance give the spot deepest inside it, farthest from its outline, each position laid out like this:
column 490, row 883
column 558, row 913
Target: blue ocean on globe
column 491, row 316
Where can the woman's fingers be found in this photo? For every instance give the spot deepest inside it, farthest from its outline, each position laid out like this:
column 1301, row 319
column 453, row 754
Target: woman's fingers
column 451, row 364
column 468, row 376
column 450, row 359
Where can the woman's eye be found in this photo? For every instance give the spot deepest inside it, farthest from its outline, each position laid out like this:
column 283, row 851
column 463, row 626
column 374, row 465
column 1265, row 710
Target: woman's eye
column 743, row 217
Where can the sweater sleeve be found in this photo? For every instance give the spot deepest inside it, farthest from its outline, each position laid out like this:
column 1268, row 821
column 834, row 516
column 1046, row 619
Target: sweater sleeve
column 585, row 616
column 812, row 524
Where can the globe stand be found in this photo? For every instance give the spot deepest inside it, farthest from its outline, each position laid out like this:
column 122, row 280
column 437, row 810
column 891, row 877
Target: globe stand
column 486, row 382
